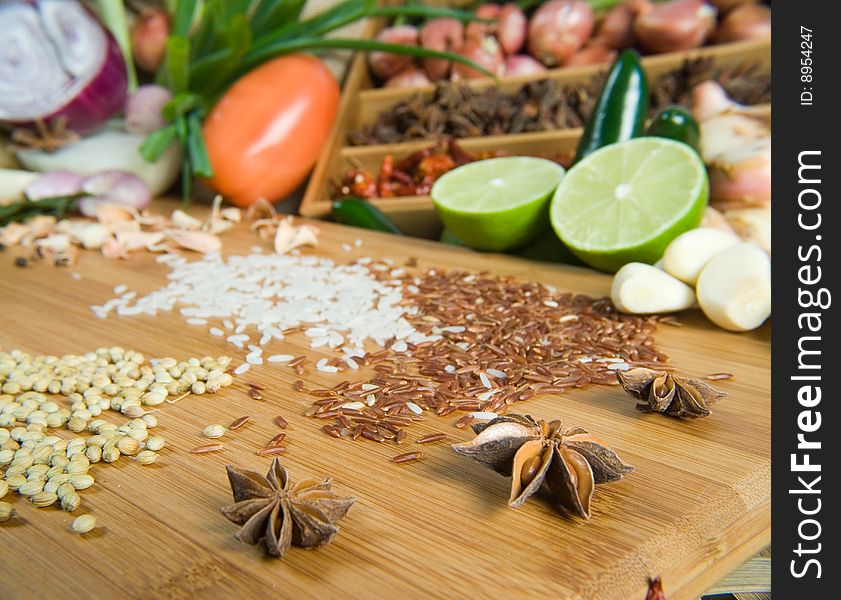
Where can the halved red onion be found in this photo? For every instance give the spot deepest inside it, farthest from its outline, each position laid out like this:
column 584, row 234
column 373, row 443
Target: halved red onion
column 57, row 60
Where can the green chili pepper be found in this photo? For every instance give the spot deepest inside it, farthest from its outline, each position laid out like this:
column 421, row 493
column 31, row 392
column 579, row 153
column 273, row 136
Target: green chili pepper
column 359, row 213
column 676, row 123
column 620, row 111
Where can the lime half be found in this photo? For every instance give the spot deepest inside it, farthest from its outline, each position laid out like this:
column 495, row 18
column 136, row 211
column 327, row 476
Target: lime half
column 626, row 202
column 499, row 203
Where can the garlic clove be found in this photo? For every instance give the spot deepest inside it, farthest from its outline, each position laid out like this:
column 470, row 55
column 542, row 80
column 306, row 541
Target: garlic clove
column 231, row 213
column 109, row 213
column 199, row 241
column 111, row 249
column 13, row 233
column 91, row 235
column 288, row 236
column 284, row 236
column 138, row 240
column 55, row 243
column 734, row 288
column 181, row 220
column 305, row 236
column 642, row 289
column 689, row 252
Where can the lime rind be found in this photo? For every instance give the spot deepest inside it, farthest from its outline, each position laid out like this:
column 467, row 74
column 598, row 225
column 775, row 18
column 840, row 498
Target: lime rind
column 626, row 202
column 499, row 203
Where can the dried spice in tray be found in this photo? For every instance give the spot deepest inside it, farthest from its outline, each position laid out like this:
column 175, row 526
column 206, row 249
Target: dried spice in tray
column 461, row 111
column 414, row 174
column 409, row 176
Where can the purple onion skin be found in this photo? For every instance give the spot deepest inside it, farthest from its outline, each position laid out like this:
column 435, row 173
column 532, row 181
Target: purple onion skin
column 102, row 98
column 53, row 184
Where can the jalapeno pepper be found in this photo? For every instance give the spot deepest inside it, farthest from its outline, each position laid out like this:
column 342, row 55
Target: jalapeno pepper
column 359, row 213
column 620, row 111
column 676, row 123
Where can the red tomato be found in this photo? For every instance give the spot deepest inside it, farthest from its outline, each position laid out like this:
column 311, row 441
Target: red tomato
column 265, row 133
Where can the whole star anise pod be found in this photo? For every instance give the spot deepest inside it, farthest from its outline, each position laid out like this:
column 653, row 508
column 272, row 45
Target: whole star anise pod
column 276, row 514
column 655, row 589
column 569, row 462
column 681, row 397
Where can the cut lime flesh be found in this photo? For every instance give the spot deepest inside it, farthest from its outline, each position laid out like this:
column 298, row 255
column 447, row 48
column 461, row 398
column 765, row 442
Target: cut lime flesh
column 499, row 203
column 626, row 202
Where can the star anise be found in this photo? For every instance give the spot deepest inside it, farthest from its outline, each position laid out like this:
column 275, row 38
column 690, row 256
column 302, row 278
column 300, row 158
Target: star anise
column 569, row 462
column 655, row 589
column 277, row 514
column 667, row 393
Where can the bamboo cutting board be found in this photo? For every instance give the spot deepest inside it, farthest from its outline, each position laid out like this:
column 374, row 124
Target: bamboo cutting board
column 697, row 506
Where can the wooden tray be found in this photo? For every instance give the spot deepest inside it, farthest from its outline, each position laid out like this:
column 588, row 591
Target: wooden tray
column 361, row 104
column 696, row 507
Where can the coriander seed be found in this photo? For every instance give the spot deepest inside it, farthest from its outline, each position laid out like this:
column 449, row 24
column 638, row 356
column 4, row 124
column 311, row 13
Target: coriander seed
column 83, row 524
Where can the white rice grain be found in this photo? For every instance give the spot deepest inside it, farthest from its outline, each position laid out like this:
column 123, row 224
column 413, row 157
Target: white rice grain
column 279, row 358
column 242, row 368
column 483, row 416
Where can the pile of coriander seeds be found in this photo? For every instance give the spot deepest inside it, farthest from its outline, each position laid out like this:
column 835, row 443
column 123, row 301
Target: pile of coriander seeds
column 49, row 469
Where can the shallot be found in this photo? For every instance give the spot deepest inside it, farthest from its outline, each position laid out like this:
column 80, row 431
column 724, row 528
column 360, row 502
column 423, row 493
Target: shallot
column 143, row 112
column 511, row 28
column 558, row 29
column 594, row 53
column 442, row 35
column 747, row 22
column 617, row 28
column 675, row 25
column 411, row 77
column 111, row 148
column 522, row 64
column 114, row 187
column 386, row 64
column 485, row 52
column 724, row 6
column 148, row 39
column 53, row 184
column 58, row 62
column 478, row 29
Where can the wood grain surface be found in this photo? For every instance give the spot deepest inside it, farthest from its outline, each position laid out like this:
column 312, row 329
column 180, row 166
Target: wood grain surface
column 697, row 506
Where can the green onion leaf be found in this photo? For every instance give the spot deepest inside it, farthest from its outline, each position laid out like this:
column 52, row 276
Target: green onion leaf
column 259, row 55
column 420, row 10
column 157, row 142
column 196, row 148
column 177, row 64
column 185, row 11
column 181, row 104
column 272, row 14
